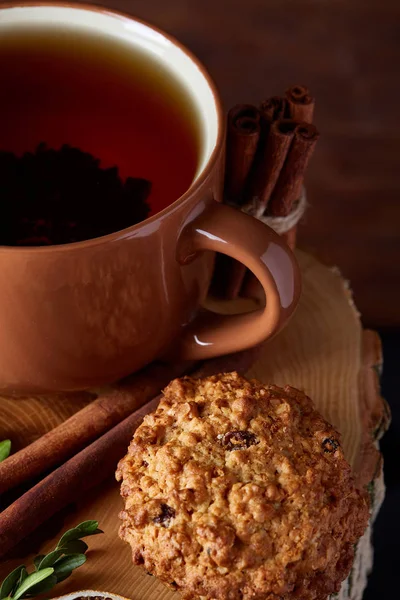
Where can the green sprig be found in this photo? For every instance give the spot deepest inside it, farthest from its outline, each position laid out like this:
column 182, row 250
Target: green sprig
column 5, row 449
column 51, row 568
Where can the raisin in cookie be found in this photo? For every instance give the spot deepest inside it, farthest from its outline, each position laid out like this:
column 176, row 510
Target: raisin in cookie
column 237, row 490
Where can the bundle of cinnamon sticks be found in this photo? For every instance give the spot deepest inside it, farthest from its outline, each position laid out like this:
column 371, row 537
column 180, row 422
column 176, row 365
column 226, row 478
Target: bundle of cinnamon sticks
column 268, row 150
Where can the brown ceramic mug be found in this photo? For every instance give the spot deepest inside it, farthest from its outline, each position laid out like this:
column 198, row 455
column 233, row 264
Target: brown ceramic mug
column 88, row 313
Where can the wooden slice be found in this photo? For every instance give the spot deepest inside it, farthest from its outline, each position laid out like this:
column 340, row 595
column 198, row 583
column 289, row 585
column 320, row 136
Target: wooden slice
column 323, row 350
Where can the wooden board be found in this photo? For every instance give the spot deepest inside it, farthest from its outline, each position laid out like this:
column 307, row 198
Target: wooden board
column 323, row 351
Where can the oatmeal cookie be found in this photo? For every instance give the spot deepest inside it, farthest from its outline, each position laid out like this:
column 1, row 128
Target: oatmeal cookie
column 235, row 490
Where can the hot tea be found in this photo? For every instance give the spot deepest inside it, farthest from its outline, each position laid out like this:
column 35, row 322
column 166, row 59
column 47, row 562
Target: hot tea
column 106, row 98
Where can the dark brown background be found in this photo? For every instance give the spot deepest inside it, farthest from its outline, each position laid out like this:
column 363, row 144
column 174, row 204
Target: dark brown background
column 347, row 52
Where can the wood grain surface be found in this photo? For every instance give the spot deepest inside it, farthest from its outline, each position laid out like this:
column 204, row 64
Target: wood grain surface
column 323, row 350
column 348, row 53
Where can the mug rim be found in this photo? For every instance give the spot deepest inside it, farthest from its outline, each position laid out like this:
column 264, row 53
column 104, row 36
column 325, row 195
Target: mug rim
column 194, row 186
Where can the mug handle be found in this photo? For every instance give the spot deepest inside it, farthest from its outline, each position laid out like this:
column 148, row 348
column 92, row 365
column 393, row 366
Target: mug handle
column 221, row 228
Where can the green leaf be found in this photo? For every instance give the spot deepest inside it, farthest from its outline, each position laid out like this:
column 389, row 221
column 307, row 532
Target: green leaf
column 66, row 564
column 82, row 530
column 50, row 559
column 30, row 581
column 11, row 581
column 44, row 586
column 88, row 527
column 22, row 577
column 5, row 449
column 65, row 575
column 37, row 560
column 75, row 547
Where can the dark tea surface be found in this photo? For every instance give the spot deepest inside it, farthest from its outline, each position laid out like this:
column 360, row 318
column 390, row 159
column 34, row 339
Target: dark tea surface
column 60, row 86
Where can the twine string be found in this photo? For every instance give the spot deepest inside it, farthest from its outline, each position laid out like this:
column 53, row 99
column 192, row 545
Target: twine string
column 283, row 224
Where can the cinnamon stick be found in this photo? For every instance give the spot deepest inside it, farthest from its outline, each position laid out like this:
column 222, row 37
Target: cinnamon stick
column 275, row 140
column 91, row 466
column 222, row 275
column 243, row 133
column 67, row 483
column 288, row 186
column 269, row 164
column 290, row 237
column 273, row 108
column 245, row 180
column 300, row 104
column 87, row 424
